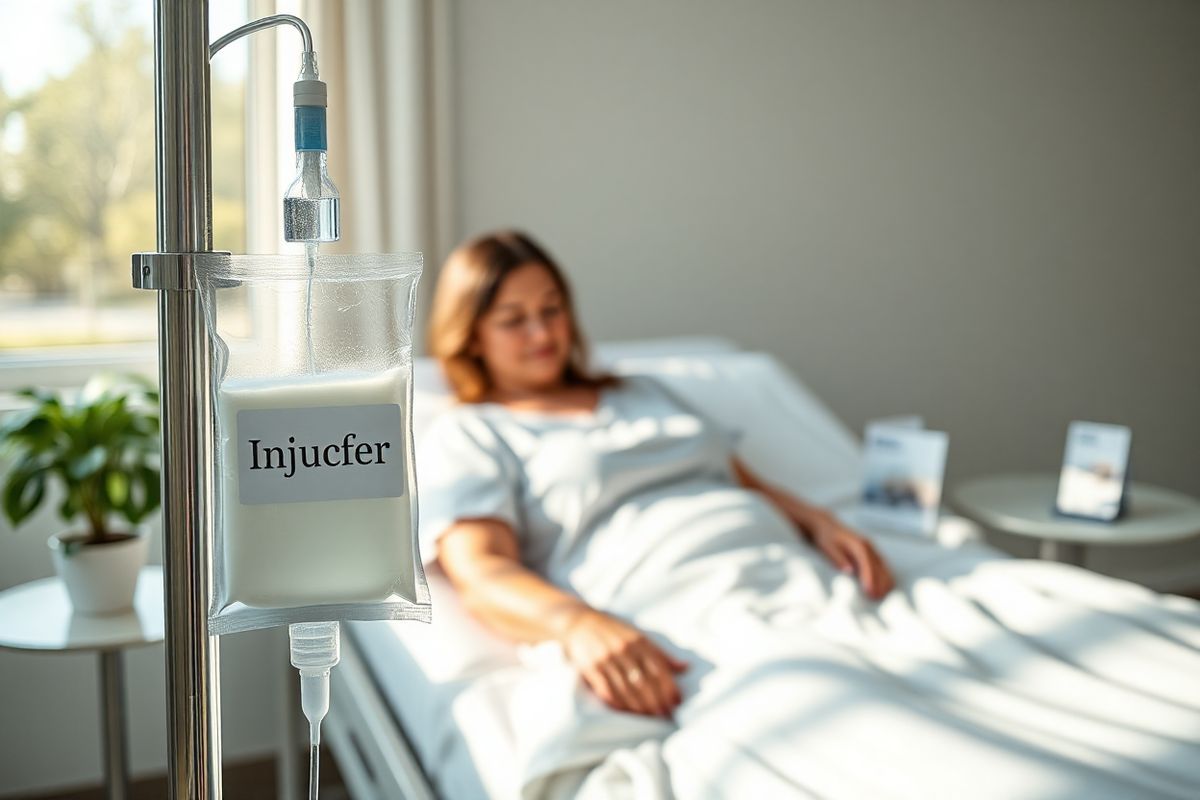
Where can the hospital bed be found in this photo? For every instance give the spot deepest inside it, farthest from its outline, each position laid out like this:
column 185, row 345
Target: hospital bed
column 420, row 711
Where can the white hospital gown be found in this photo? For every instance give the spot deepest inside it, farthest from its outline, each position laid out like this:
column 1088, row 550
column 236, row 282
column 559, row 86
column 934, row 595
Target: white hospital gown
column 799, row 685
column 598, row 500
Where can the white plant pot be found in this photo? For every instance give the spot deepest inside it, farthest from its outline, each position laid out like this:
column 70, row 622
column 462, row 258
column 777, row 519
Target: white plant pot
column 101, row 578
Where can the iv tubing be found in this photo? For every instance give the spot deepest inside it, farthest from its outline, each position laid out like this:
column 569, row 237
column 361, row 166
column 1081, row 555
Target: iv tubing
column 262, row 24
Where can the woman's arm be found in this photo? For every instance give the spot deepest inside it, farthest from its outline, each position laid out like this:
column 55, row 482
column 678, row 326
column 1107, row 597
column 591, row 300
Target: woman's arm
column 846, row 549
column 481, row 559
column 625, row 669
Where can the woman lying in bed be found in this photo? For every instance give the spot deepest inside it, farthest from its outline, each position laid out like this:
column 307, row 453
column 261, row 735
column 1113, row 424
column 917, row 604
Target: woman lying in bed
column 611, row 517
column 545, row 461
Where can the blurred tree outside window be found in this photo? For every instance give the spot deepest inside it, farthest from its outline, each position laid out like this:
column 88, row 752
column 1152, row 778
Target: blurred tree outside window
column 77, row 190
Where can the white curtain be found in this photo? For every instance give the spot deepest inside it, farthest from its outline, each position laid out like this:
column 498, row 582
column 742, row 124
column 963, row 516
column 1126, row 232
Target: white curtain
column 386, row 63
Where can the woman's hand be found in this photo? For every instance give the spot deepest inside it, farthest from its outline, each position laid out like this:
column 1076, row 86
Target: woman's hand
column 481, row 557
column 621, row 665
column 850, row 552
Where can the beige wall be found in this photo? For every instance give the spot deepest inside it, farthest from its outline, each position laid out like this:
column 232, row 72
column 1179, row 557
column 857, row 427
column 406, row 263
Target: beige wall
column 985, row 212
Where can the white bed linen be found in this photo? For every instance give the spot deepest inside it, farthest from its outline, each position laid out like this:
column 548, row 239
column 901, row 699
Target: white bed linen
column 1096, row 676
column 1089, row 683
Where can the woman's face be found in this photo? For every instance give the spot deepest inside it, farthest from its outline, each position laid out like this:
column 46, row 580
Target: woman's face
column 524, row 338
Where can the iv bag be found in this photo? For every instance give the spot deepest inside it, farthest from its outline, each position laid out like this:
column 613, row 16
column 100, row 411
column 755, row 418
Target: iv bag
column 314, row 484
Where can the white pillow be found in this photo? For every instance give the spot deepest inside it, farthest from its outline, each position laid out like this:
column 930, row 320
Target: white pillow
column 789, row 437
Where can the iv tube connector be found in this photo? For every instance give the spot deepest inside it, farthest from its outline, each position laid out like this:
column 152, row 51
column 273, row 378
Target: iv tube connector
column 309, row 92
column 315, row 650
column 311, row 205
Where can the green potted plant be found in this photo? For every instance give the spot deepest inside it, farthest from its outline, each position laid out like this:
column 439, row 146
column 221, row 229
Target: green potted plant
column 102, row 451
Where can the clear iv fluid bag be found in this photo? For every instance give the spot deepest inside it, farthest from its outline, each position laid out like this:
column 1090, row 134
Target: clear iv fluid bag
column 316, row 514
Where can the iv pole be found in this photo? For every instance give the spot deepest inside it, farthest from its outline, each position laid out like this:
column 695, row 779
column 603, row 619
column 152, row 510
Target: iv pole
column 183, row 177
column 183, row 174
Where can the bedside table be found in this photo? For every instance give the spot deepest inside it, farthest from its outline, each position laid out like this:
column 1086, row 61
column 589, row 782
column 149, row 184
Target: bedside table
column 1023, row 505
column 37, row 617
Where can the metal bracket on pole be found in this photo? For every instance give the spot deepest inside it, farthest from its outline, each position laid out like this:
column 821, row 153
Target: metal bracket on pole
column 170, row 271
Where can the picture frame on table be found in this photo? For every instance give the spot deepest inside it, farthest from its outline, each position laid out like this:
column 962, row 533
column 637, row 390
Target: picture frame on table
column 903, row 473
column 1094, row 481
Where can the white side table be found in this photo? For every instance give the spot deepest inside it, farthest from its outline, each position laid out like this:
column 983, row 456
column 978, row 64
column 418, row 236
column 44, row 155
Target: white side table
column 37, row 616
column 1024, row 505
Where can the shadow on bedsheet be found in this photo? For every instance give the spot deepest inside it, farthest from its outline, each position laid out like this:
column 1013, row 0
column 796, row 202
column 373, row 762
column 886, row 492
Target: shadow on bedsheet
column 1067, row 718
column 973, row 658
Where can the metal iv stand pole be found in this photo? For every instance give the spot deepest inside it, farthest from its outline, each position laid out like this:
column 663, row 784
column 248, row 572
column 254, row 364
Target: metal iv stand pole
column 183, row 174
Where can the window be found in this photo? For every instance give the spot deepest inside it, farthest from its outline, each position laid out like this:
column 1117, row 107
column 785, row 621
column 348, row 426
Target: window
column 77, row 192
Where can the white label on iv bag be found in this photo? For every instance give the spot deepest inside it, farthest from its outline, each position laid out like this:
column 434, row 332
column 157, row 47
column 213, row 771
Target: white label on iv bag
column 299, row 553
column 293, row 455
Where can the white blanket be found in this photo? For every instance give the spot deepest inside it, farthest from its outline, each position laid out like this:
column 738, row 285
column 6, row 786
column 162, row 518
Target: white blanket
column 979, row 676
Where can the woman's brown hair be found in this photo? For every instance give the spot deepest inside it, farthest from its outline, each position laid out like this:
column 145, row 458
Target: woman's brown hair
column 466, row 289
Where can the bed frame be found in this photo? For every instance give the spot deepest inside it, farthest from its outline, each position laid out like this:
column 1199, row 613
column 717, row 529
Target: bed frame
column 374, row 755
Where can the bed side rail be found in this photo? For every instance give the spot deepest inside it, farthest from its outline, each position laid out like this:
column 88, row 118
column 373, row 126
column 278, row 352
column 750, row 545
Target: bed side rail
column 373, row 755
